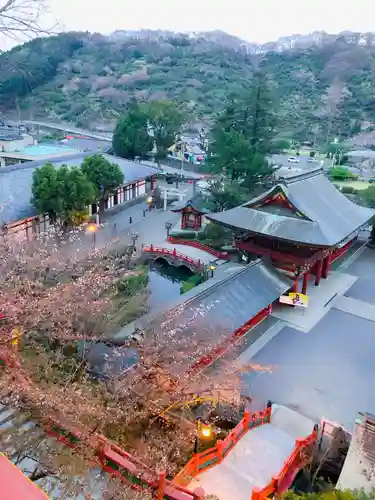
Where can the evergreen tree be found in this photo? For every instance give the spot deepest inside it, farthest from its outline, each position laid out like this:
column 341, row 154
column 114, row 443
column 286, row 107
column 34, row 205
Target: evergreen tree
column 131, row 138
column 243, row 133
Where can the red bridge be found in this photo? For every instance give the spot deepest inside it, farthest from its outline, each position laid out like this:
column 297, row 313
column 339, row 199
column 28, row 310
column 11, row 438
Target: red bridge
column 178, row 259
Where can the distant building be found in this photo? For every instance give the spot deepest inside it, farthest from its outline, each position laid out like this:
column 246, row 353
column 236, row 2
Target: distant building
column 19, row 218
column 359, row 156
column 15, row 150
column 187, row 149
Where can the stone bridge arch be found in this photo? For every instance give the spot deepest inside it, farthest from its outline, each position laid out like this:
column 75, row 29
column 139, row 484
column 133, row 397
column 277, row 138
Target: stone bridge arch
column 174, row 258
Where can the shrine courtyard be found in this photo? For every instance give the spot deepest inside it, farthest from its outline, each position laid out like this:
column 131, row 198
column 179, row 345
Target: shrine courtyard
column 321, row 361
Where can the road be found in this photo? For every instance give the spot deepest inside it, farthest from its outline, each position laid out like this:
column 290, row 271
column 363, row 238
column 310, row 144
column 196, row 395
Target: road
column 71, row 129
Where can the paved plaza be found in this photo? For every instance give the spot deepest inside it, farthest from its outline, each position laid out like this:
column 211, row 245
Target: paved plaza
column 322, row 367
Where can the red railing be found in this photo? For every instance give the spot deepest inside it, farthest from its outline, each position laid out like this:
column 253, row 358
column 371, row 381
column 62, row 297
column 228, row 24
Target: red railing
column 175, row 254
column 299, row 458
column 209, row 458
column 213, row 355
column 121, row 464
column 201, row 246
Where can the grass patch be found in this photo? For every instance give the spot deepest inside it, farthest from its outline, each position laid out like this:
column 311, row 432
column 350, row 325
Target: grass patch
column 132, row 284
column 190, row 283
column 356, row 185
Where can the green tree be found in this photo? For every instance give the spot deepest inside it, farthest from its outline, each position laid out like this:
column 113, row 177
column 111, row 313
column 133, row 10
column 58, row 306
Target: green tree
column 76, row 192
column 61, row 193
column 46, row 191
column 131, row 137
column 341, row 173
column 104, row 175
column 242, row 136
column 225, row 194
column 367, row 196
column 166, row 120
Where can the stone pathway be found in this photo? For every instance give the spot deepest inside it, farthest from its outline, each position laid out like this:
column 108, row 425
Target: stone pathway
column 356, row 307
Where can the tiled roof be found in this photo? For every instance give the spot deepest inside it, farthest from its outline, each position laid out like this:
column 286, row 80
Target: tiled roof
column 327, row 216
column 16, row 180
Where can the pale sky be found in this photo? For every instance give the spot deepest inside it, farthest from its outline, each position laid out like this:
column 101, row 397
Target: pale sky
column 253, row 20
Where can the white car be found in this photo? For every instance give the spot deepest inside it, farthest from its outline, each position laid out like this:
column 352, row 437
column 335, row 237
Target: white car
column 292, row 159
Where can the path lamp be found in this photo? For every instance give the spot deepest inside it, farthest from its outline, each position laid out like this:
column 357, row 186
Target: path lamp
column 203, row 431
column 212, row 269
column 168, row 227
column 149, row 202
column 92, row 228
column 134, row 237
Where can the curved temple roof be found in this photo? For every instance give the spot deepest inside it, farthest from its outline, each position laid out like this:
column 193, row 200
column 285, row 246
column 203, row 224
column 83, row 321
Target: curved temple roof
column 326, row 217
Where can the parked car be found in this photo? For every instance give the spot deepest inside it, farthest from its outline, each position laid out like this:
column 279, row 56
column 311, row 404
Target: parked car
column 292, row 159
column 311, row 159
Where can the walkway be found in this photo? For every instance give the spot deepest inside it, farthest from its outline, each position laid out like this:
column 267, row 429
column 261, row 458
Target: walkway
column 256, row 458
column 326, row 348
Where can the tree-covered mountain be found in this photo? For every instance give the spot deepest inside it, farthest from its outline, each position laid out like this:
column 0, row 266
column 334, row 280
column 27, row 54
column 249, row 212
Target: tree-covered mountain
column 325, row 83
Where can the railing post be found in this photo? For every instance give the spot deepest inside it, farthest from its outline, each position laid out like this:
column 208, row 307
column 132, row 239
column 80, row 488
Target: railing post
column 161, row 485
column 151, row 248
column 246, row 419
column 256, row 493
column 174, row 252
column 199, row 494
column 269, row 410
column 219, row 446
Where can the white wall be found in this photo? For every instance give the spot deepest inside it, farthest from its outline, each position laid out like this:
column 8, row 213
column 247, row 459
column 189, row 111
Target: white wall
column 16, row 145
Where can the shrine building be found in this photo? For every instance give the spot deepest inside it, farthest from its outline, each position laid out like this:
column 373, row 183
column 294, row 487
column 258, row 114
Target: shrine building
column 302, row 224
column 192, row 213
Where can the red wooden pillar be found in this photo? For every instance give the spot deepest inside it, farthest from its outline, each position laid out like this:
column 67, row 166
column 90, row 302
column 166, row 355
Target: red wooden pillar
column 318, row 272
column 305, row 283
column 326, row 266
column 152, row 183
column 183, row 220
column 295, row 287
column 161, row 485
column 196, row 222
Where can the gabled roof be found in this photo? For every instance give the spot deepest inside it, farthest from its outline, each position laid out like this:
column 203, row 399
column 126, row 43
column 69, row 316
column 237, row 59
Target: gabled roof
column 222, row 306
column 195, row 203
column 326, row 217
column 16, row 182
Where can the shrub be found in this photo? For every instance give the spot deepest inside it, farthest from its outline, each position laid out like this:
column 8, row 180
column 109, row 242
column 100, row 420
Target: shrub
column 348, row 190
column 183, row 234
column 132, row 284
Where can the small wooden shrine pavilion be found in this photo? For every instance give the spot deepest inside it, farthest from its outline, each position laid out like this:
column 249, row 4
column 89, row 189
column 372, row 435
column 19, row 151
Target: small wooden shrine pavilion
column 192, row 212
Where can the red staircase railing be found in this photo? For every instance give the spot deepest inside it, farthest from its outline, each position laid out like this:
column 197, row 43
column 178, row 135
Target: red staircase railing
column 299, row 458
column 201, row 246
column 175, row 254
column 207, row 459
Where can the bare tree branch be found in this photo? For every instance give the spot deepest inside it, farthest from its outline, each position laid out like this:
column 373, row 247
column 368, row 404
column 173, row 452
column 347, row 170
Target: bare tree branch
column 23, row 19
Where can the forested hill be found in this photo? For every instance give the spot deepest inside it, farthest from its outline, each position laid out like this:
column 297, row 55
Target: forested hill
column 325, row 84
